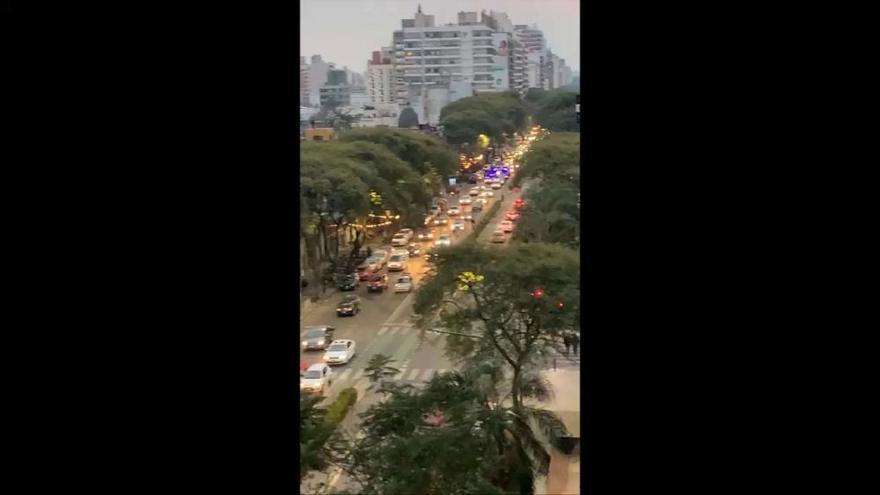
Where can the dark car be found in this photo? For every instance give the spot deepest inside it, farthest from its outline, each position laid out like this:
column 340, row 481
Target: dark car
column 349, row 306
column 413, row 250
column 348, row 282
column 378, row 282
column 317, row 337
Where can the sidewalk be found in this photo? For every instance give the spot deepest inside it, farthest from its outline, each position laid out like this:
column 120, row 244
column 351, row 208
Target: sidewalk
column 564, row 475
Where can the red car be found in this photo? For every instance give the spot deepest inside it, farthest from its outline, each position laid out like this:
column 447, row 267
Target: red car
column 511, row 215
column 377, row 283
column 519, row 203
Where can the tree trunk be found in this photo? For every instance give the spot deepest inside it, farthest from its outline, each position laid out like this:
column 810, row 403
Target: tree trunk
column 515, row 388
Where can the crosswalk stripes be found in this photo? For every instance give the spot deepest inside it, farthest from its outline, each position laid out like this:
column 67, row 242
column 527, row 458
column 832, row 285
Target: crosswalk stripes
column 352, row 377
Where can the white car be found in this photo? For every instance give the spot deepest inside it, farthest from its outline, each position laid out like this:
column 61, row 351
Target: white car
column 404, row 284
column 458, row 225
column 474, row 192
column 407, row 232
column 317, row 378
column 487, row 194
column 397, row 262
column 399, row 240
column 506, row 226
column 443, row 240
column 340, row 352
column 496, row 185
column 466, row 201
column 453, row 210
column 467, row 216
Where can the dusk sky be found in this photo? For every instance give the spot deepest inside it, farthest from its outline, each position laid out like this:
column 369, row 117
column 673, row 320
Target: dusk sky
column 347, row 31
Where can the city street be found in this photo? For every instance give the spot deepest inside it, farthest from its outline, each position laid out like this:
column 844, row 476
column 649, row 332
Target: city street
column 384, row 327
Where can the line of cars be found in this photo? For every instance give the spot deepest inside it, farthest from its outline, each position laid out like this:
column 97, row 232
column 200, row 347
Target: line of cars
column 499, row 235
column 318, row 377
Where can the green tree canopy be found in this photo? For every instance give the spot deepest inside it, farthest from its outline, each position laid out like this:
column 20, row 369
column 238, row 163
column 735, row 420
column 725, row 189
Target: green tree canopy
column 422, row 152
column 554, row 110
column 405, row 447
column 487, row 294
column 408, row 118
column 551, row 215
column 492, row 114
column 554, row 158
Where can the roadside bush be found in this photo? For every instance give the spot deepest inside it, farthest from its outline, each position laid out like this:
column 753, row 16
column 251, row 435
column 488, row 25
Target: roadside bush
column 337, row 411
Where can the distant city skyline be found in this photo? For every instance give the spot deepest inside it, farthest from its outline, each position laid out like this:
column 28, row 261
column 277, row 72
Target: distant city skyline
column 361, row 26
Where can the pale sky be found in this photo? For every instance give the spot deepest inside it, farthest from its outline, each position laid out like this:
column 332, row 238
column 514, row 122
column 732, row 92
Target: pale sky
column 347, row 32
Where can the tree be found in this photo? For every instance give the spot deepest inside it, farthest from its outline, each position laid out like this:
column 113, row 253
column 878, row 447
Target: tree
column 491, row 114
column 555, row 158
column 465, row 126
column 513, row 304
column 555, row 110
column 405, row 447
column 425, row 154
column 408, row 118
column 313, row 434
column 551, row 215
column 378, row 369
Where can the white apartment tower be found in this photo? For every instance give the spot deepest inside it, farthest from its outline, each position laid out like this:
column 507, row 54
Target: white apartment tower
column 516, row 53
column 535, row 48
column 380, row 78
column 428, row 59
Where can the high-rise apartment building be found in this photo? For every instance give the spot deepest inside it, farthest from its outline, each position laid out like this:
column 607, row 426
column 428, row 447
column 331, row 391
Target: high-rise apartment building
column 428, row 58
column 500, row 23
column 318, row 70
column 380, row 78
column 303, row 82
column 535, row 48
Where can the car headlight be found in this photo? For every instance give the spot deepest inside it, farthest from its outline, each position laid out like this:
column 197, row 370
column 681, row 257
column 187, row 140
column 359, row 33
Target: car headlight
column 305, row 343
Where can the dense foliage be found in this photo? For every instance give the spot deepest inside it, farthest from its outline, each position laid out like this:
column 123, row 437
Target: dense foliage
column 421, row 152
column 407, row 440
column 552, row 211
column 366, row 172
column 408, row 118
column 554, row 110
column 489, row 295
column 317, row 427
column 492, row 114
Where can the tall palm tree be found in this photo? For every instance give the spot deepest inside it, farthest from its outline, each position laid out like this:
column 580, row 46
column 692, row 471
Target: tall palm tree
column 378, row 370
column 521, row 435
